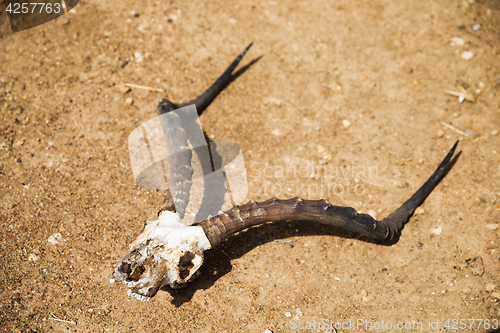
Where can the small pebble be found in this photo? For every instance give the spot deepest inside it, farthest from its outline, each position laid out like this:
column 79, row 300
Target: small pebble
column 129, row 101
column 51, row 143
column 492, row 226
column 490, row 287
column 477, row 266
column 288, row 314
column 457, row 41
column 467, row 55
column 346, row 123
column 440, row 133
column 268, row 331
column 461, row 99
column 55, row 238
column 321, row 149
column 232, row 21
column 476, row 27
column 142, row 28
column 495, row 295
column 494, row 132
column 437, row 230
column 277, row 132
column 419, row 211
column 32, row 257
column 138, row 57
column 272, row 101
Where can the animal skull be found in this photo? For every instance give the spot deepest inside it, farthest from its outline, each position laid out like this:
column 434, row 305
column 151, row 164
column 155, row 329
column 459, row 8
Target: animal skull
column 166, row 252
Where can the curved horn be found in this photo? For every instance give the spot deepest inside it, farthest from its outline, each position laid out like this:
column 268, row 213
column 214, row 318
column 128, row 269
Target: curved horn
column 179, row 155
column 181, row 170
column 222, row 226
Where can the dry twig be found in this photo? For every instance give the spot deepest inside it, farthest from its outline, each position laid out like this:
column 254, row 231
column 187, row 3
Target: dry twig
column 131, row 85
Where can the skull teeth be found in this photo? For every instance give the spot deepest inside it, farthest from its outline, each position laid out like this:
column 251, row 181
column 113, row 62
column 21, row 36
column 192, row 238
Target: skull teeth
column 139, row 297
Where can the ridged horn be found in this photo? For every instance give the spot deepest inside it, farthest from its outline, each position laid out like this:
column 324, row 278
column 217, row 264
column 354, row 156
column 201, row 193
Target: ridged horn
column 238, row 218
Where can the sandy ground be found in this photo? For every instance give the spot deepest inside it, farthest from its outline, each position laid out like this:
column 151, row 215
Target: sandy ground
column 382, row 65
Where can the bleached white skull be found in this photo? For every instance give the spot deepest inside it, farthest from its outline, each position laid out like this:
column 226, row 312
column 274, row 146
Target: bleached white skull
column 166, row 252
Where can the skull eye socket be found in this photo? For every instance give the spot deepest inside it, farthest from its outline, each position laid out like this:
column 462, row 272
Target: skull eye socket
column 185, row 264
column 136, row 274
column 124, row 268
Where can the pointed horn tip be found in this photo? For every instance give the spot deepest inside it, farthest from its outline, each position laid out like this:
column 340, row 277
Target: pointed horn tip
column 450, row 154
column 452, row 151
column 246, row 49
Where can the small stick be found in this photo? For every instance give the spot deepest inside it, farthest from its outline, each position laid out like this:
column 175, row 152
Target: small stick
column 131, row 85
column 454, row 129
column 61, row 320
column 464, row 94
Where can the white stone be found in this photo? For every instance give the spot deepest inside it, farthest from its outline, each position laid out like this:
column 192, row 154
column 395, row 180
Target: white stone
column 490, row 287
column 467, row 55
column 492, row 226
column 138, row 57
column 438, row 230
column 457, row 41
column 55, row 238
column 277, row 132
